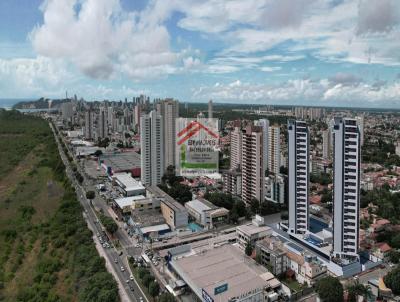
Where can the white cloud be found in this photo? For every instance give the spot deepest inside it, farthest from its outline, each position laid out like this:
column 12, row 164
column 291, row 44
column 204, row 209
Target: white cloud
column 270, row 69
column 32, row 76
column 377, row 16
column 303, row 91
column 103, row 40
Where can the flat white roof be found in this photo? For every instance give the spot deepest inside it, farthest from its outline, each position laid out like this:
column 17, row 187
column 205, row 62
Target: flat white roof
column 127, row 201
column 251, row 229
column 216, row 267
column 197, row 205
column 127, row 182
column 155, row 228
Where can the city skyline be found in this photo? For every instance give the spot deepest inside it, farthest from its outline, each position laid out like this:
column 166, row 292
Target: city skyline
column 263, row 52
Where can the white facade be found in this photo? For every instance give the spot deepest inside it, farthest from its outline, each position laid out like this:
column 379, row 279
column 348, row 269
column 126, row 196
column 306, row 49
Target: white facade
column 169, row 111
column 151, row 143
column 264, row 123
column 346, row 193
column 298, row 155
column 274, row 150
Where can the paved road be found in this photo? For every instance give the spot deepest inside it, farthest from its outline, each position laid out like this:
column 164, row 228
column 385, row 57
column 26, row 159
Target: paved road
column 110, row 253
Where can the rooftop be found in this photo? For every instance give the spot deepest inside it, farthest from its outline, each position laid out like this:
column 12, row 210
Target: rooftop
column 168, row 200
column 127, row 182
column 128, row 201
column 121, row 161
column 251, row 229
column 223, row 265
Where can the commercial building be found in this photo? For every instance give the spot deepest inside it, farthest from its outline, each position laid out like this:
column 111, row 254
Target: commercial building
column 264, row 124
column 274, row 149
column 298, row 172
column 168, row 109
column 175, row 214
column 220, row 274
column 346, row 188
column 121, row 162
column 206, row 214
column 252, row 232
column 252, row 165
column 151, row 145
column 138, row 203
column 128, row 185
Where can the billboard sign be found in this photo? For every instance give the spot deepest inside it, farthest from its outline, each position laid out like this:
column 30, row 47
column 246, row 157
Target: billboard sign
column 197, row 143
column 220, row 289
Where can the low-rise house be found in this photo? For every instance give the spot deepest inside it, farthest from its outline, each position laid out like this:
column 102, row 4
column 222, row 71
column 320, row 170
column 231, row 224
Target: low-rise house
column 252, row 232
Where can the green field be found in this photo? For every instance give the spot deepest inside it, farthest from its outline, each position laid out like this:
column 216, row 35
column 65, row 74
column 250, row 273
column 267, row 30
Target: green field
column 46, row 250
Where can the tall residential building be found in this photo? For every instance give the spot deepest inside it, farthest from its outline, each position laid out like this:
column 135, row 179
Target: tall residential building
column 252, row 164
column 298, row 173
column 264, row 123
column 326, row 144
column 151, row 143
column 169, row 111
column 210, row 109
column 236, row 148
column 102, row 124
column 274, row 149
column 360, row 123
column 110, row 118
column 67, row 110
column 138, row 113
column 346, row 187
column 89, row 124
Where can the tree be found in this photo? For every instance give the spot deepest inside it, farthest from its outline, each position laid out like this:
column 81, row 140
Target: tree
column 98, row 153
column 142, row 272
column 255, row 206
column 109, row 224
column 90, row 195
column 147, row 279
column 392, row 280
column 394, row 256
column 357, row 289
column 154, row 289
column 249, row 249
column 329, row 289
column 166, row 297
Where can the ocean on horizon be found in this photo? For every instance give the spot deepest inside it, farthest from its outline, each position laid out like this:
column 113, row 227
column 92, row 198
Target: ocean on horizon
column 8, row 103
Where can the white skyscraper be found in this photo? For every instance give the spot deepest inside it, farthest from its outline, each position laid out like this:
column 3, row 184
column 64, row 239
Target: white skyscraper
column 274, row 149
column 151, row 143
column 264, row 123
column 298, row 170
column 326, row 144
column 89, row 122
column 169, row 111
column 346, row 187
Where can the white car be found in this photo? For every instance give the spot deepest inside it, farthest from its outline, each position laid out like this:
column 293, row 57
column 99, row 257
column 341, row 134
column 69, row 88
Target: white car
column 122, row 269
column 131, row 277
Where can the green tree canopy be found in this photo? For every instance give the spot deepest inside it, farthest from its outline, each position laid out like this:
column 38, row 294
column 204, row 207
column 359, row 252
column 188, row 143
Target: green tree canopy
column 392, row 280
column 329, row 289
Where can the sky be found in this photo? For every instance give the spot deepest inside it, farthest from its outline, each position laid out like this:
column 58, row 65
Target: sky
column 289, row 52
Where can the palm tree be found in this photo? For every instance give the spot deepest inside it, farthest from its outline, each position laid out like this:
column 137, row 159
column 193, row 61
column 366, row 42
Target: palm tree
column 357, row 289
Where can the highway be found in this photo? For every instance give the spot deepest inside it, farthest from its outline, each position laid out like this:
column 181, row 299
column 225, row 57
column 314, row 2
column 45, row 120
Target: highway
column 132, row 292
